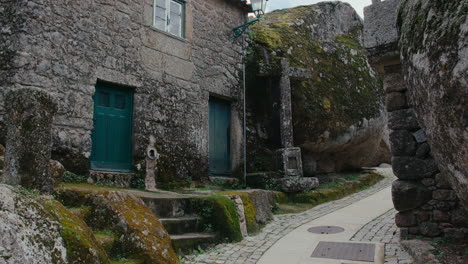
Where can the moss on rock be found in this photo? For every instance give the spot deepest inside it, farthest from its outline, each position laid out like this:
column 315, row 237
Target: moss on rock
column 343, row 89
column 82, row 246
column 249, row 210
column 221, row 213
column 141, row 234
column 336, row 191
column 29, row 233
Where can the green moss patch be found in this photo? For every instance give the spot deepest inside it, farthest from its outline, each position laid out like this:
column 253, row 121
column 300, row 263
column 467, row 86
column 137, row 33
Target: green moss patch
column 334, row 191
column 343, row 89
column 82, row 246
column 220, row 213
column 141, row 234
column 249, row 210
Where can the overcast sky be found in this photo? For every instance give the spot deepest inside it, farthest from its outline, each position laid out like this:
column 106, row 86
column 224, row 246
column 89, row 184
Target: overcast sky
column 279, row 4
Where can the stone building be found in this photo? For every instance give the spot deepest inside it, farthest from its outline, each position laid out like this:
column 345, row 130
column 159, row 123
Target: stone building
column 126, row 71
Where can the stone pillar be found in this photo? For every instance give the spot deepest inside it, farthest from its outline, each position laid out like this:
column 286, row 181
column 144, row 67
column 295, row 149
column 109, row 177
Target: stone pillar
column 152, row 157
column 288, row 158
column 29, row 116
column 286, row 127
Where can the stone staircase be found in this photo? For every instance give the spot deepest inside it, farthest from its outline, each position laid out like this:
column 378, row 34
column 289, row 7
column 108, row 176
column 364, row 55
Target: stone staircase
column 179, row 218
column 107, row 239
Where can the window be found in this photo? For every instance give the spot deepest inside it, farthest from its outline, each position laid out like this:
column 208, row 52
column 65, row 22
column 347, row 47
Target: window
column 169, row 16
column 120, row 101
column 103, row 99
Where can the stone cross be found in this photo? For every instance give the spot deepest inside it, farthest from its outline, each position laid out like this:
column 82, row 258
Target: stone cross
column 288, row 158
column 29, row 117
column 286, row 74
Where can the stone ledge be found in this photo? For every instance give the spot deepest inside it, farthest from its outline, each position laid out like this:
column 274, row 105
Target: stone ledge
column 109, row 178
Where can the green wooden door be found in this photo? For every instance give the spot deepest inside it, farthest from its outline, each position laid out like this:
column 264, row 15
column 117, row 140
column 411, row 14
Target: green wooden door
column 112, row 134
column 220, row 137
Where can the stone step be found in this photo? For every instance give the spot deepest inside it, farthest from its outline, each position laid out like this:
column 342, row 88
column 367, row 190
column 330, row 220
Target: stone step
column 182, row 225
column 106, row 241
column 169, row 207
column 111, row 178
column 80, row 212
column 185, row 243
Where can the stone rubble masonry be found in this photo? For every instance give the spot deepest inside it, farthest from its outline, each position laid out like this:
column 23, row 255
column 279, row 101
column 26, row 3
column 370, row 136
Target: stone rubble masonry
column 432, row 45
column 29, row 116
column 65, row 47
column 423, row 196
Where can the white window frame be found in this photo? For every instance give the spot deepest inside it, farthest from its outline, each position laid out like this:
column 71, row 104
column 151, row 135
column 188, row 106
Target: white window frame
column 167, row 20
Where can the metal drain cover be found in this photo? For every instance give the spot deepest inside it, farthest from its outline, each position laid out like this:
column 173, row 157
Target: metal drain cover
column 347, row 251
column 325, row 230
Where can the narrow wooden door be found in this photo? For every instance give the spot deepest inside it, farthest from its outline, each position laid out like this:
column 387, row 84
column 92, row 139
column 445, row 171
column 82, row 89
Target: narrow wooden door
column 112, row 134
column 220, row 137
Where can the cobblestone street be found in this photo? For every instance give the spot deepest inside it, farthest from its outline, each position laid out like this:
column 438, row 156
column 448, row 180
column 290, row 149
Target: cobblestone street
column 251, row 249
column 384, row 230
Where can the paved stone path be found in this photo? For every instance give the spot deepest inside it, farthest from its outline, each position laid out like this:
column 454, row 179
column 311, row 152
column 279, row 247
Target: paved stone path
column 383, row 229
column 250, row 250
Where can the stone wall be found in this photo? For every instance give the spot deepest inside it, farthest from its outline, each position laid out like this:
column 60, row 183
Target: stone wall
column 425, row 200
column 422, row 195
column 433, row 37
column 65, row 47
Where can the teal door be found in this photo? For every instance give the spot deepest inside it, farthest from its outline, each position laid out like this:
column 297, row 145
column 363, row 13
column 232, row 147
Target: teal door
column 220, row 137
column 112, row 134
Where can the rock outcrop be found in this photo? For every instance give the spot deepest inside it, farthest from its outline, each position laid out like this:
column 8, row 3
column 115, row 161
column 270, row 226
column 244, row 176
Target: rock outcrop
column 433, row 45
column 29, row 116
column 338, row 115
column 27, row 231
column 82, row 245
column 140, row 232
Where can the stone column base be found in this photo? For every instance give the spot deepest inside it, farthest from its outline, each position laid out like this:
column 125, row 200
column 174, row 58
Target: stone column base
column 289, row 161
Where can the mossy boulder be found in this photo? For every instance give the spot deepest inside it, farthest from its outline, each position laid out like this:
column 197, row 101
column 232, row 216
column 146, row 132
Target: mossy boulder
column 220, row 213
column 28, row 232
column 141, row 234
column 250, row 212
column 433, row 37
column 82, row 246
column 258, row 207
column 337, row 113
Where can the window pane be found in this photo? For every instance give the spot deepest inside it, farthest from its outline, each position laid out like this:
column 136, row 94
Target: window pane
column 160, row 14
column 175, row 25
column 160, row 3
column 159, row 23
column 103, row 99
column 119, row 101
